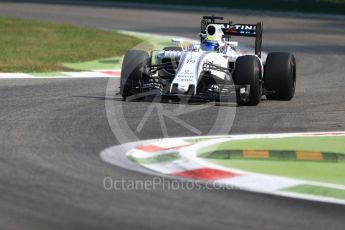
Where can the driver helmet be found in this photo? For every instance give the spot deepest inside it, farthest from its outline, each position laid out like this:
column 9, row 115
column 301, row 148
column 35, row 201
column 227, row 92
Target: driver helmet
column 209, row 44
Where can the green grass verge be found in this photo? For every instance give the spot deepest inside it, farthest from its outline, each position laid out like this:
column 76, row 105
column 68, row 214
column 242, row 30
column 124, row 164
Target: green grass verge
column 148, row 43
column 318, row 191
column 310, row 6
column 330, row 172
column 314, row 171
column 34, row 46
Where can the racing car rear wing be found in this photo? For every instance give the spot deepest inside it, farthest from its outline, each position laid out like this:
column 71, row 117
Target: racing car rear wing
column 243, row 30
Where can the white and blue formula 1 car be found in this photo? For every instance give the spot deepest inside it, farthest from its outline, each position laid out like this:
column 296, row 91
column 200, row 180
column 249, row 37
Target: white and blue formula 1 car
column 212, row 70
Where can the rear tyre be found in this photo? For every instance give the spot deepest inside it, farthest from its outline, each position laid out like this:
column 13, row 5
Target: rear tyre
column 248, row 72
column 280, row 76
column 133, row 72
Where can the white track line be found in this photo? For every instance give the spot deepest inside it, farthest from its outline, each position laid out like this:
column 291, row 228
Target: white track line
column 65, row 75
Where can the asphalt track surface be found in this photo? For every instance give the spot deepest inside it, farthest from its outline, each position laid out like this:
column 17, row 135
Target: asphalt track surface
column 53, row 130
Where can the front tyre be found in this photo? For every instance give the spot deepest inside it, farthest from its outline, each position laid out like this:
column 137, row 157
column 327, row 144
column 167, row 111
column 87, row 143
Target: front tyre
column 133, row 72
column 248, row 72
column 280, row 76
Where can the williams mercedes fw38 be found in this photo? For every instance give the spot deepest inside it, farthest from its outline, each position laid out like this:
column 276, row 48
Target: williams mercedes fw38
column 212, row 70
